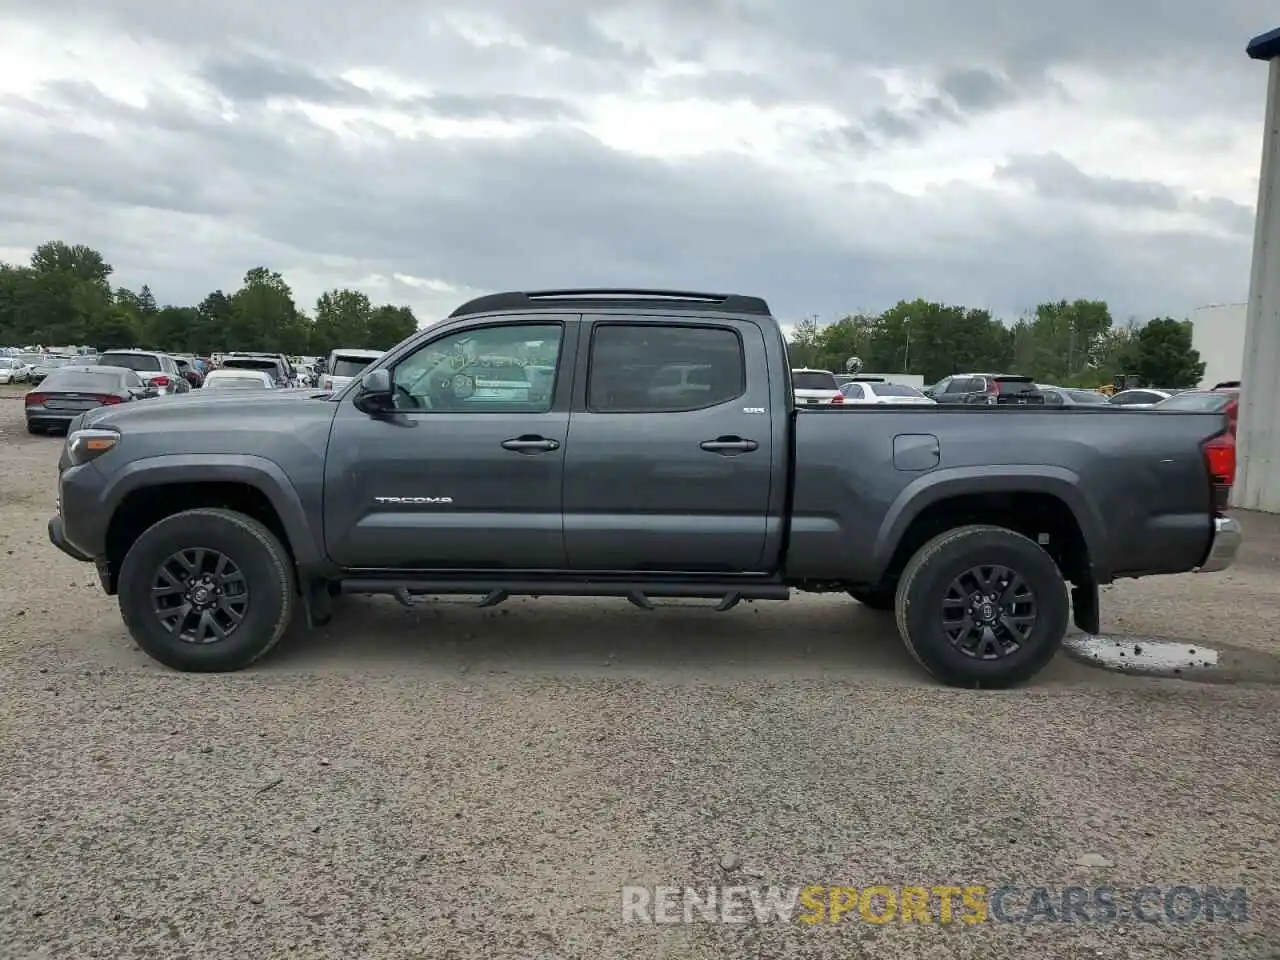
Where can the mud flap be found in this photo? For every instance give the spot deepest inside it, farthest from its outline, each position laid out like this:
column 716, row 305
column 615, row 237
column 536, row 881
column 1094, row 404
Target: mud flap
column 317, row 601
column 1085, row 607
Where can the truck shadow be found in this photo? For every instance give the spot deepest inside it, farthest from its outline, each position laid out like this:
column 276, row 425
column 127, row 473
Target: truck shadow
column 810, row 636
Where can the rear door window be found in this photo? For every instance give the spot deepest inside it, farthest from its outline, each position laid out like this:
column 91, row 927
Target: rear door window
column 664, row 368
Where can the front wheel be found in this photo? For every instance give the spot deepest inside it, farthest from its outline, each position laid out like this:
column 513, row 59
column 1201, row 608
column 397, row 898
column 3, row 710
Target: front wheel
column 982, row 606
column 207, row 590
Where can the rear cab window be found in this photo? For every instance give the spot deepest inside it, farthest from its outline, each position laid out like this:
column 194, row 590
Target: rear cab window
column 1015, row 385
column 814, row 380
column 349, row 366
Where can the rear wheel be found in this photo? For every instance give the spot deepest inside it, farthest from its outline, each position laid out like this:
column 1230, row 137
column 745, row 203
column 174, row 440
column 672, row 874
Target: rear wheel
column 982, row 606
column 877, row 598
column 207, row 590
column 33, row 429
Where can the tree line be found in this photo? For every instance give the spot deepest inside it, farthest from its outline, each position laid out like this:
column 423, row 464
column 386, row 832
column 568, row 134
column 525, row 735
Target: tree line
column 1068, row 343
column 64, row 297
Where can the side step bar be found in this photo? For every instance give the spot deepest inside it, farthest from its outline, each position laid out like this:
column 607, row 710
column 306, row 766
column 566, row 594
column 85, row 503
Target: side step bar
column 639, row 594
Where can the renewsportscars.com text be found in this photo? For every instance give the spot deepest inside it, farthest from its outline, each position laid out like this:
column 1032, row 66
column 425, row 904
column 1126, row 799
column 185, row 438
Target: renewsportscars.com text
column 943, row 904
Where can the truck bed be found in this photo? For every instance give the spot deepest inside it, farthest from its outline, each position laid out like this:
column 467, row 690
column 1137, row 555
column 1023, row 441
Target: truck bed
column 861, row 477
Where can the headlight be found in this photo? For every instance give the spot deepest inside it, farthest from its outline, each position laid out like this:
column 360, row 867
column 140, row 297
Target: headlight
column 85, row 445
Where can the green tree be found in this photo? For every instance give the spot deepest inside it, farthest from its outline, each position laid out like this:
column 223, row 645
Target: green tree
column 342, row 320
column 388, row 325
column 1163, row 355
column 83, row 263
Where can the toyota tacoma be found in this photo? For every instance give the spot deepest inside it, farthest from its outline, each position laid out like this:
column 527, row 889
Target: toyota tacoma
column 635, row 444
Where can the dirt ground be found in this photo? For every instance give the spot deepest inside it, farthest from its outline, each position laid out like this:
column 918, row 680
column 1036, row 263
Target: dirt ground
column 454, row 782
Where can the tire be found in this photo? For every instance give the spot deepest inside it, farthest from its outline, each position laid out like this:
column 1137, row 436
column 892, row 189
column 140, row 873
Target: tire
column 874, row 598
column 948, row 559
column 266, row 579
column 33, row 429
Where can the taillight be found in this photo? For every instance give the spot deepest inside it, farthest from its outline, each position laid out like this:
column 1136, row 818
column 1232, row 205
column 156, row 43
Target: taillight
column 838, row 398
column 1220, row 459
column 160, row 381
column 107, row 398
column 1233, row 415
column 35, row 398
column 326, row 384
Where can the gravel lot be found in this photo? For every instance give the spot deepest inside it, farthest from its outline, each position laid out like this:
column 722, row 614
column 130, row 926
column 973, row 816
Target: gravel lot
column 453, row 782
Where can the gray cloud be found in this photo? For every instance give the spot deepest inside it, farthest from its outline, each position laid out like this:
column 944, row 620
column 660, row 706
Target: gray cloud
column 257, row 79
column 1054, row 177
column 553, row 209
column 186, row 200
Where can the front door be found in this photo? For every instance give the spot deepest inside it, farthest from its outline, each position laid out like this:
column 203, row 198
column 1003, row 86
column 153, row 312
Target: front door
column 670, row 450
column 467, row 473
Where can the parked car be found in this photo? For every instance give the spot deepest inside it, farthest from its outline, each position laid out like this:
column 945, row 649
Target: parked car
column 188, row 367
column 240, row 379
column 1072, row 397
column 815, row 388
column 291, row 375
column 863, row 392
column 158, row 369
column 46, row 367
column 272, row 366
column 70, row 390
column 13, row 370
column 1139, row 399
column 344, row 365
column 993, row 389
column 210, row 520
column 1224, row 400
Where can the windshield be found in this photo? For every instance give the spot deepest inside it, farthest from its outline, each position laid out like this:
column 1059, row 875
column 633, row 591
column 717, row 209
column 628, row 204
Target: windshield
column 814, row 380
column 217, row 382
column 350, row 366
column 82, row 381
column 894, row 390
column 1206, row 402
column 131, row 361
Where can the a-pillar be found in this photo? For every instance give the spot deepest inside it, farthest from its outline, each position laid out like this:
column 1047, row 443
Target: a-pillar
column 1257, row 484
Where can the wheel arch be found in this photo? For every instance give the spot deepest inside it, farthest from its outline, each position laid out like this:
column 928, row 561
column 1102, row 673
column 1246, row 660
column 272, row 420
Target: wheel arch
column 153, row 488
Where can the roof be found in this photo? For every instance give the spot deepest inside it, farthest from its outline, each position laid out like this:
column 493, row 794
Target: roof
column 611, row 298
column 1265, row 46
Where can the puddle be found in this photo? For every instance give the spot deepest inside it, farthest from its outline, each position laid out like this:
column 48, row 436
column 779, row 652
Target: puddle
column 1146, row 655
column 1168, row 657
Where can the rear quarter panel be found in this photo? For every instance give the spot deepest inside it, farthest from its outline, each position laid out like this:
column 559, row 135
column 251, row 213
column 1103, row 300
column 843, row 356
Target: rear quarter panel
column 1135, row 480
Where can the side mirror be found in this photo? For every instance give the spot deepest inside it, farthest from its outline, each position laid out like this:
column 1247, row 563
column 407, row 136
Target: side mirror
column 375, row 394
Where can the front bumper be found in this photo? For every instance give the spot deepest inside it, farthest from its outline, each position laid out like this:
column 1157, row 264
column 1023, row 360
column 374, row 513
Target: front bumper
column 58, row 538
column 1227, row 537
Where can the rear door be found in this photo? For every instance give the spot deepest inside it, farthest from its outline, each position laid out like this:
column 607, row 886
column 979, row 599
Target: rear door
column 665, row 478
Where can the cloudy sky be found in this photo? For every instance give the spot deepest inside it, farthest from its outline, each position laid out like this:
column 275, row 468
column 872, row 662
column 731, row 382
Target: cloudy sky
column 830, row 156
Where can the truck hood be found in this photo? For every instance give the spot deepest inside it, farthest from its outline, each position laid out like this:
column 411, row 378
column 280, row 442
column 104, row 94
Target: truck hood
column 215, row 410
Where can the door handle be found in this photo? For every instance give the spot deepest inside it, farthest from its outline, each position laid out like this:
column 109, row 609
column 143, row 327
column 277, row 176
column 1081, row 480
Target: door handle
column 530, row 444
column 729, row 445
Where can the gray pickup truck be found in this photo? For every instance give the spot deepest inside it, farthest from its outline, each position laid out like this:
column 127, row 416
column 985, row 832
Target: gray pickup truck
column 637, row 444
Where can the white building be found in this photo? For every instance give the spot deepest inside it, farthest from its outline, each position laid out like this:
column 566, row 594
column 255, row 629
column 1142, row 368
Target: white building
column 1257, row 484
column 1218, row 335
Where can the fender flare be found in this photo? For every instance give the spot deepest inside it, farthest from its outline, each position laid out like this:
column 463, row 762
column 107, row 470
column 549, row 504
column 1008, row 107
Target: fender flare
column 262, row 474
column 939, row 485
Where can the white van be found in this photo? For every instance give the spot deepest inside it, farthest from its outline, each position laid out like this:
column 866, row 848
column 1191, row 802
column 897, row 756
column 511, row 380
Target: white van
column 344, row 365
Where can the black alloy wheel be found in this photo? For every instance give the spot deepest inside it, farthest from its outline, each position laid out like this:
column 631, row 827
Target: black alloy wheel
column 200, row 595
column 988, row 612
